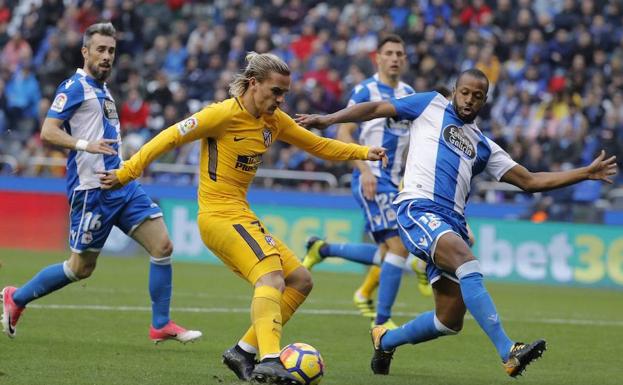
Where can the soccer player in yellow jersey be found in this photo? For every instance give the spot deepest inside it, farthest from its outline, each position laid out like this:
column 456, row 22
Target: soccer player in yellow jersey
column 234, row 134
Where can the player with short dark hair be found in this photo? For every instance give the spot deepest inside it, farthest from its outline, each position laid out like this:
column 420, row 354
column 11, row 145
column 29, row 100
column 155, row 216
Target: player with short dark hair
column 83, row 119
column 446, row 151
column 234, row 135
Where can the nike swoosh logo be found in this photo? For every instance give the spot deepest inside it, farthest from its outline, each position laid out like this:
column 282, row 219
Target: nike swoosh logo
column 11, row 328
column 238, row 139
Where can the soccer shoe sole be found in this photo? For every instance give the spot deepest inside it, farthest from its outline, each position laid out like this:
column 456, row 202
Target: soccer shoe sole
column 267, row 378
column 230, row 360
column 535, row 352
column 196, row 336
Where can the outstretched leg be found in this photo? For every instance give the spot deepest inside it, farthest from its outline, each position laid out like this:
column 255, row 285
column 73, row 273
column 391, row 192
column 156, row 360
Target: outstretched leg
column 48, row 280
column 390, row 279
column 447, row 319
column 453, row 254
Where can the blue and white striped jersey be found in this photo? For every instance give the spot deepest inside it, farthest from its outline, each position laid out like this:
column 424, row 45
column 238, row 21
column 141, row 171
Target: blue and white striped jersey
column 445, row 152
column 389, row 133
column 88, row 112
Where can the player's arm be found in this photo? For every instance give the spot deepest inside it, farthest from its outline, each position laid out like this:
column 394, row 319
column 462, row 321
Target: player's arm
column 53, row 133
column 407, row 107
column 208, row 122
column 326, row 148
column 600, row 169
column 345, row 133
column 360, row 112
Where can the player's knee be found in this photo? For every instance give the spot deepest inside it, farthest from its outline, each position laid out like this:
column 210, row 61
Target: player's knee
column 305, row 282
column 163, row 249
column 85, row 270
column 397, row 247
column 301, row 280
column 448, row 325
column 274, row 279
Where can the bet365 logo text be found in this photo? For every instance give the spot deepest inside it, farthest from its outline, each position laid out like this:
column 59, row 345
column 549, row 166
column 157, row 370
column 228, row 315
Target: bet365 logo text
column 551, row 253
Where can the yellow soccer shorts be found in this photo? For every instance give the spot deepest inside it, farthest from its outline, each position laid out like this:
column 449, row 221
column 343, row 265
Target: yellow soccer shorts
column 240, row 240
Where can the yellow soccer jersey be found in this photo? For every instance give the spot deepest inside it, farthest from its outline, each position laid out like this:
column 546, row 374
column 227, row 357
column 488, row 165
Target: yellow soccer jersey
column 232, row 144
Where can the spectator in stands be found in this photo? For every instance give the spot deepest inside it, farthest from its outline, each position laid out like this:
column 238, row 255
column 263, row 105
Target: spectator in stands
column 22, row 100
column 134, row 113
column 565, row 53
column 16, row 50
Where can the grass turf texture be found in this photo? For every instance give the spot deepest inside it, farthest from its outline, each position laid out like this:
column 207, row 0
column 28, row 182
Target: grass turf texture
column 95, row 331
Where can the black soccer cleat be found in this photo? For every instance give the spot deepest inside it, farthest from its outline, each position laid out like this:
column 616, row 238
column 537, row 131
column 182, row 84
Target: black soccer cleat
column 240, row 363
column 382, row 359
column 522, row 355
column 272, row 372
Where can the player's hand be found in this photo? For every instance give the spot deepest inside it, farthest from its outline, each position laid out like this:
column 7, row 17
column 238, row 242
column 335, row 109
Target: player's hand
column 102, row 146
column 602, row 169
column 108, row 179
column 378, row 153
column 312, row 120
column 368, row 185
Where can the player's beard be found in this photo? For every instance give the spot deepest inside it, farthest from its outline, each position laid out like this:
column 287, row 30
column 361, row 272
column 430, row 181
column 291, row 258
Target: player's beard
column 99, row 73
column 466, row 118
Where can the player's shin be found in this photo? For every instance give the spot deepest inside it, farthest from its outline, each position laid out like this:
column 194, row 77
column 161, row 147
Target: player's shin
column 267, row 320
column 391, row 275
column 481, row 306
column 370, row 283
column 160, row 287
column 46, row 281
column 291, row 299
column 424, row 327
column 363, row 253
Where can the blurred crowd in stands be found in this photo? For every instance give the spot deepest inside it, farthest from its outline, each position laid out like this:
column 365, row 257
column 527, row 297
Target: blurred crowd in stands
column 555, row 66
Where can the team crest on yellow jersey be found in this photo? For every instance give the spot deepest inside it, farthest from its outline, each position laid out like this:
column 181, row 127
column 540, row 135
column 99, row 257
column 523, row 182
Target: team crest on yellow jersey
column 268, row 136
column 269, row 239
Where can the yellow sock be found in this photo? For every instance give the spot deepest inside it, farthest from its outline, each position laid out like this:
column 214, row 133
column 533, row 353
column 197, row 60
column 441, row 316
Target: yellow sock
column 291, row 299
column 266, row 318
column 371, row 282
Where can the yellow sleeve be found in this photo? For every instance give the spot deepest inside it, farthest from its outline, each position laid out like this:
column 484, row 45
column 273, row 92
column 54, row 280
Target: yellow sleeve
column 325, row 148
column 209, row 122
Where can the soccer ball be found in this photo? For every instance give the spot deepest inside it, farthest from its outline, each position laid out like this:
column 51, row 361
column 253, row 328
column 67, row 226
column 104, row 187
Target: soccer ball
column 304, row 362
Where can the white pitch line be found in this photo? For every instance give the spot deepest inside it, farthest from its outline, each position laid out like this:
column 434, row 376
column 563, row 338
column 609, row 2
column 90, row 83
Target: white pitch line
column 556, row 321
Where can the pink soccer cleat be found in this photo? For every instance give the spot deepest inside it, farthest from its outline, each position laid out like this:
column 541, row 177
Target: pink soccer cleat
column 10, row 311
column 173, row 331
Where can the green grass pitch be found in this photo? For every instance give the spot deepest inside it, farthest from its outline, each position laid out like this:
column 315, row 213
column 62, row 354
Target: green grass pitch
column 95, row 331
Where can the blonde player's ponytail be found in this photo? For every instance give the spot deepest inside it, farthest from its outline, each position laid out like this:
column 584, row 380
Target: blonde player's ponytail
column 259, row 66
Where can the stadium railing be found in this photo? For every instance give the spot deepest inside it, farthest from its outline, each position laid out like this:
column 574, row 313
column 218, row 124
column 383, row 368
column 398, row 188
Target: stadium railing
column 264, row 173
column 483, row 188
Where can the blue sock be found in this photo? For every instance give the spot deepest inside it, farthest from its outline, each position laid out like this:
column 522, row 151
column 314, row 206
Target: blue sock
column 480, row 305
column 160, row 277
column 389, row 283
column 46, row 281
column 357, row 252
column 423, row 328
